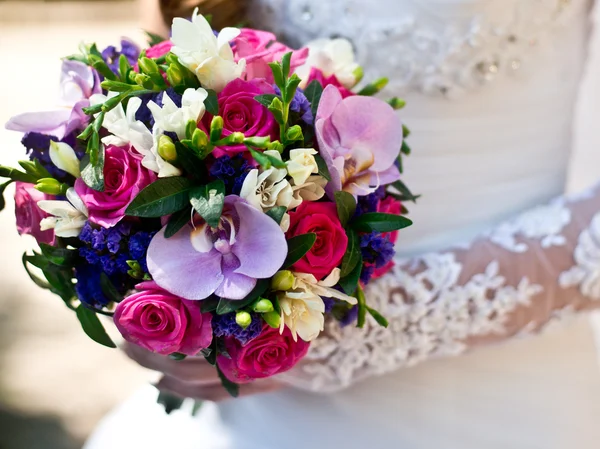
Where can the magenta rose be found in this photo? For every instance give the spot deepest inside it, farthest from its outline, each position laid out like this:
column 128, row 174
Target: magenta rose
column 316, row 74
column 124, row 178
column 242, row 113
column 29, row 215
column 330, row 246
column 159, row 50
column 259, row 48
column 163, row 323
column 268, row 354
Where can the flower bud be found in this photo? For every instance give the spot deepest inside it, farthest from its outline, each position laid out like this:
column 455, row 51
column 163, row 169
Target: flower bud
column 294, row 134
column 63, row 156
column 174, row 75
column 283, row 280
column 358, row 74
column 148, row 66
column 144, row 81
column 258, row 142
column 263, row 306
column 276, row 146
column 166, row 149
column 232, row 139
column 216, row 128
column 199, row 139
column 273, row 319
column 243, row 319
column 51, row 186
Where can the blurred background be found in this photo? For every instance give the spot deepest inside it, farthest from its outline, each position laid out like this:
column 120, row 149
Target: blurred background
column 55, row 383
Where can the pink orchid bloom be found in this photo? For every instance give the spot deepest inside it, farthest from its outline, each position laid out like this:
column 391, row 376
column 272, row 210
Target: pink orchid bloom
column 359, row 139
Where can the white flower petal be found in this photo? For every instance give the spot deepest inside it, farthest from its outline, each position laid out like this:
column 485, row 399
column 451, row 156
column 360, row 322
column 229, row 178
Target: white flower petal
column 63, row 156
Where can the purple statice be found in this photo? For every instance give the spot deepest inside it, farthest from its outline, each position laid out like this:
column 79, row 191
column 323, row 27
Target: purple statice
column 88, row 286
column 226, row 326
column 300, row 105
column 232, row 171
column 111, row 55
column 350, row 317
column 329, row 303
column 369, row 203
column 376, row 249
column 367, row 273
column 138, row 246
column 37, row 146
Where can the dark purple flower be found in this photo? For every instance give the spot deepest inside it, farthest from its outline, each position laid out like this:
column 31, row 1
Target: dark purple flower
column 300, row 105
column 232, row 171
column 37, row 146
column 111, row 55
column 88, row 287
column 226, row 326
column 376, row 249
column 350, row 317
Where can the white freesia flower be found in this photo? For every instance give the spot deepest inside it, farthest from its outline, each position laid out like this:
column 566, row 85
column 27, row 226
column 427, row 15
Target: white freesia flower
column 302, row 164
column 208, row 56
column 125, row 129
column 174, row 119
column 302, row 307
column 63, row 156
column 312, row 190
column 153, row 161
column 68, row 217
column 332, row 57
column 267, row 189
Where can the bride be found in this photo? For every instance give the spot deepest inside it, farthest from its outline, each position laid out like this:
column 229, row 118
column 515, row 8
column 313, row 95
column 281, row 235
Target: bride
column 496, row 254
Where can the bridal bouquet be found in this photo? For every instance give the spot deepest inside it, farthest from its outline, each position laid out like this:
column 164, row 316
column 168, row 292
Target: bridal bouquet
column 216, row 194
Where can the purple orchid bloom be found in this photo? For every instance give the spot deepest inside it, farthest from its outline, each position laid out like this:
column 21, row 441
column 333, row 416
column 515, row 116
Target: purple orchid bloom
column 227, row 260
column 78, row 83
column 359, row 139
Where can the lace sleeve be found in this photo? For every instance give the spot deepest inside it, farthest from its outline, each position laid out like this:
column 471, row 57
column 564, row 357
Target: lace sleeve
column 512, row 280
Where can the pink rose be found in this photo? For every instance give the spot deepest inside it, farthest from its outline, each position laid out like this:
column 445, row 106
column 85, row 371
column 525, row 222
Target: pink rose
column 330, row 246
column 316, row 74
column 242, row 113
column 268, row 354
column 163, row 323
column 259, row 48
column 124, row 178
column 159, row 50
column 29, row 215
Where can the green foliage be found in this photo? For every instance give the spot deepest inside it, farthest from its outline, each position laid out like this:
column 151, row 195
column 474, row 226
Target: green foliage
column 163, row 197
column 298, row 246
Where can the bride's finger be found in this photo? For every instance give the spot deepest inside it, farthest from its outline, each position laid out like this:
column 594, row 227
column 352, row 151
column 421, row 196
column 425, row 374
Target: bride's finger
column 190, row 370
column 213, row 393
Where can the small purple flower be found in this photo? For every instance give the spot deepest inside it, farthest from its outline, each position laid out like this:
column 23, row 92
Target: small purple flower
column 376, row 249
column 88, row 287
column 111, row 55
column 227, row 260
column 226, row 326
column 232, row 171
column 300, row 105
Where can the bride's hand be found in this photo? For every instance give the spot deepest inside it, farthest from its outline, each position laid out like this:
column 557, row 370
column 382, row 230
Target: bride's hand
column 193, row 377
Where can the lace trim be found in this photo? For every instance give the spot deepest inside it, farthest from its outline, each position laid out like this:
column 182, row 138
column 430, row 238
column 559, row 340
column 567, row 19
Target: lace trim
column 585, row 274
column 423, row 51
column 429, row 316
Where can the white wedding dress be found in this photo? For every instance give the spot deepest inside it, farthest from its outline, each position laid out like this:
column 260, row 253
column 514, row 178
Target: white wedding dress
column 491, row 87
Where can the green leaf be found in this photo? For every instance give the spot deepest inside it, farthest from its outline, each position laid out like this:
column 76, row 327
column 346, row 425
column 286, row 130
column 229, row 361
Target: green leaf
column 379, row 318
column 277, row 213
column 93, row 327
column 191, row 162
column 405, row 149
column 93, row 175
column 61, row 280
column 37, row 281
column 352, row 255
column 266, row 99
column 298, row 246
column 277, row 74
column 164, row 196
column 362, row 307
column 208, row 201
column 58, row 256
column 350, row 282
column 212, row 102
column 177, row 221
column 169, row 401
column 116, row 86
column 178, row 357
column 286, row 64
column 124, row 68
column 323, row 169
column 378, row 222
column 405, row 134
column 405, row 193
column 209, row 304
column 16, row 175
column 2, row 189
column 210, row 353
column 266, row 161
column 232, row 388
column 346, row 206
column 228, row 306
column 292, row 87
column 276, row 109
column 109, row 289
column 313, row 93
column 397, row 103
column 375, row 87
